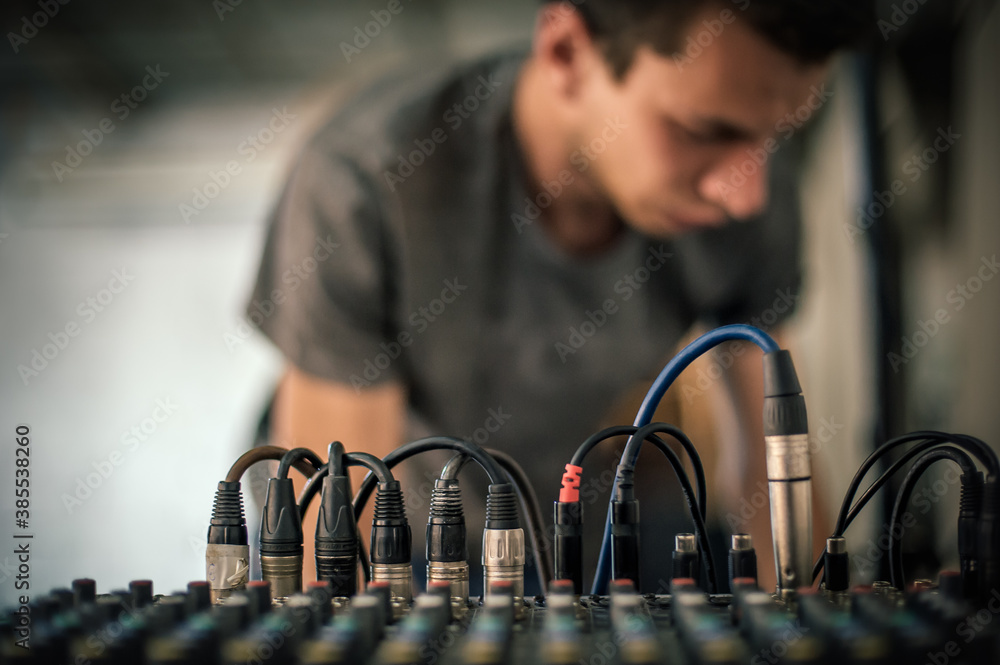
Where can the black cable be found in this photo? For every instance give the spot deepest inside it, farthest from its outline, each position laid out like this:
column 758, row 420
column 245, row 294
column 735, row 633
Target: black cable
column 623, row 430
column 646, row 433
column 260, row 454
column 531, row 509
column 953, row 453
column 374, row 465
column 408, row 450
column 982, row 451
column 870, row 494
column 311, row 489
column 862, row 471
column 315, row 483
column 584, row 449
column 294, row 455
column 883, row 479
column 454, row 466
column 928, row 439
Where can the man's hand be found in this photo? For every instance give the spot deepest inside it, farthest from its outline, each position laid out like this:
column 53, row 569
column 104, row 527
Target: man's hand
column 310, row 412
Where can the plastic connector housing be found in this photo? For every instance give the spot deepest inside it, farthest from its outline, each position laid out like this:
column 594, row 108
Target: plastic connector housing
column 337, row 537
column 281, row 539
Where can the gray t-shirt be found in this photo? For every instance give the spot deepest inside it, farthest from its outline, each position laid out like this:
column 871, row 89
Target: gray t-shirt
column 403, row 249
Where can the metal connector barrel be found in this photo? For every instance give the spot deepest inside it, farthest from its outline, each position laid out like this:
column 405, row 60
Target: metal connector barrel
column 503, row 544
column 227, row 557
column 399, row 577
column 789, row 480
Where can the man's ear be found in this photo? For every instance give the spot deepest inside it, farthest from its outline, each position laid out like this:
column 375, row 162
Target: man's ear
column 564, row 48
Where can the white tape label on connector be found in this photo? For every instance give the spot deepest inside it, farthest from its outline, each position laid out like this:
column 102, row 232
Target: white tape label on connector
column 227, row 566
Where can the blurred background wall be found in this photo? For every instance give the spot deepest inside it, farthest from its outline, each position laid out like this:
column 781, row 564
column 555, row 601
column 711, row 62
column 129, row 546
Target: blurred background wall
column 127, row 250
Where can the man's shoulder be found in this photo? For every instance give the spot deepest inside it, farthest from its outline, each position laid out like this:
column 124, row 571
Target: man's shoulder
column 389, row 116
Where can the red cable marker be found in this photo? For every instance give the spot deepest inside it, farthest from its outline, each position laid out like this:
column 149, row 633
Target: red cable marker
column 570, row 492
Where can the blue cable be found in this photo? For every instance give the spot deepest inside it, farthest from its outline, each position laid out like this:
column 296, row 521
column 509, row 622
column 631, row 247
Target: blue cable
column 667, row 376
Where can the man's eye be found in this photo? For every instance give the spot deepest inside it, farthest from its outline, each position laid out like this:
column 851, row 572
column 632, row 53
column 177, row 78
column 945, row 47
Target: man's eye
column 695, row 135
column 714, row 136
column 702, row 137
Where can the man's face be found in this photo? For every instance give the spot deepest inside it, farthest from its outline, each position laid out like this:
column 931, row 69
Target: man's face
column 686, row 130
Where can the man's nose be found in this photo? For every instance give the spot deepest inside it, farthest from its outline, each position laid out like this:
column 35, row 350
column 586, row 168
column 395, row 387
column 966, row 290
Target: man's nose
column 739, row 184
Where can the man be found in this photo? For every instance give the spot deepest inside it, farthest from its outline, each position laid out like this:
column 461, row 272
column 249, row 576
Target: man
column 502, row 250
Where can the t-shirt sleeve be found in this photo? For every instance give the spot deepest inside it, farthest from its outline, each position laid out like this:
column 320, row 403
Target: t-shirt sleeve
column 750, row 271
column 323, row 293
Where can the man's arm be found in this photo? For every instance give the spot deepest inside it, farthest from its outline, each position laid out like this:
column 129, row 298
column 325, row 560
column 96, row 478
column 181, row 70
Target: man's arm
column 311, row 412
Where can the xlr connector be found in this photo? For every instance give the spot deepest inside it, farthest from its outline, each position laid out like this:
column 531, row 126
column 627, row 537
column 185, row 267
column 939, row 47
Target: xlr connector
column 337, row 538
column 447, row 548
column 227, row 557
column 392, row 546
column 503, row 544
column 281, row 539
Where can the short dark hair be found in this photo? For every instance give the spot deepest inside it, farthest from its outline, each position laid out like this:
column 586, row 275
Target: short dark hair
column 808, row 30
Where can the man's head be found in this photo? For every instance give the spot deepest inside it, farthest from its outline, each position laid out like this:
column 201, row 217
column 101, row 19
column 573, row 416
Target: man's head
column 698, row 93
column 808, row 30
